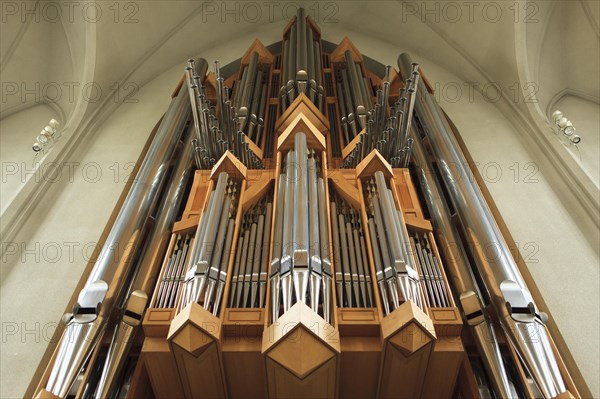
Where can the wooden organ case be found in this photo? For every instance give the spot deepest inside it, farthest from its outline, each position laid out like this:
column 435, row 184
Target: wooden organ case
column 353, row 342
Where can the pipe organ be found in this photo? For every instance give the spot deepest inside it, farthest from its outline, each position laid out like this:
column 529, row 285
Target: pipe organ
column 305, row 225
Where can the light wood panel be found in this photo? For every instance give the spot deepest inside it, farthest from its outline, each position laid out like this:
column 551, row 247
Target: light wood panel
column 301, row 355
column 408, row 338
column 161, row 368
column 194, row 341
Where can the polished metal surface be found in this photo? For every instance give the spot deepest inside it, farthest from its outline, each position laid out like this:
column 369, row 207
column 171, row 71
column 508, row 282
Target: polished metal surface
column 315, row 264
column 301, row 269
column 277, row 246
column 387, row 133
column 207, row 267
column 288, row 206
column 121, row 343
column 355, row 103
column 412, row 132
column 302, row 66
column 249, row 277
column 501, row 276
column 396, row 275
column 227, row 125
column 87, row 324
column 353, row 273
column 300, row 237
column 147, row 269
column 326, row 278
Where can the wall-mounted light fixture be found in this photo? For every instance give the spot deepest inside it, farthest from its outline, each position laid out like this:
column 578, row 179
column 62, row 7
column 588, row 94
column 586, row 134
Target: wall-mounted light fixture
column 46, row 138
column 565, row 127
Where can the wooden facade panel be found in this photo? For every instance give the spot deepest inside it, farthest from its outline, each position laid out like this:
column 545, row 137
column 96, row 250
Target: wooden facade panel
column 359, row 367
column 161, row 368
column 321, row 383
column 245, row 374
column 444, row 364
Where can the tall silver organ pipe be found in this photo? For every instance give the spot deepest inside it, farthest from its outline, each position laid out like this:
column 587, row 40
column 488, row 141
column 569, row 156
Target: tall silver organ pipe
column 300, row 266
column 102, row 291
column 470, row 299
column 141, row 288
column 301, row 64
column 518, row 314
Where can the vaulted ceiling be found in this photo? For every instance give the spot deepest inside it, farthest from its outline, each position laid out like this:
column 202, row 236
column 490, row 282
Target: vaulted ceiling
column 88, row 56
column 554, row 43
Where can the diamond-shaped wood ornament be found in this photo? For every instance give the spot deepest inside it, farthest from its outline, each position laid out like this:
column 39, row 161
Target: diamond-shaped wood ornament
column 410, row 339
column 301, row 341
column 301, row 352
column 408, row 328
column 195, row 316
column 192, row 339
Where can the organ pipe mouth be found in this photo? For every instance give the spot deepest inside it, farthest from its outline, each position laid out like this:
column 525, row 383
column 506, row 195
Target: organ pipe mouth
column 520, row 318
column 77, row 343
column 121, row 342
column 86, row 325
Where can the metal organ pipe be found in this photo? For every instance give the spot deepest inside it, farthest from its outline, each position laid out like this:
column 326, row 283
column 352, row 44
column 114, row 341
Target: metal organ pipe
column 300, row 267
column 519, row 316
column 86, row 325
column 301, row 70
column 146, row 277
column 470, row 299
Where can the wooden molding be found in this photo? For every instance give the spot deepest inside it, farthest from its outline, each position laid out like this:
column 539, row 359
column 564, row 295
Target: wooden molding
column 157, row 322
column 447, row 322
column 408, row 338
column 301, row 355
column 396, row 83
column 374, row 162
column 345, row 186
column 230, row 164
column 442, row 370
column 194, row 341
column 161, row 368
column 178, row 86
column 311, row 22
column 43, row 394
column 244, row 365
column 338, row 55
column 210, row 86
column 186, row 225
column 302, row 105
column 198, row 194
column 314, row 139
column 358, row 322
column 347, row 150
column 287, row 28
column 264, row 55
column 409, row 201
column 256, row 190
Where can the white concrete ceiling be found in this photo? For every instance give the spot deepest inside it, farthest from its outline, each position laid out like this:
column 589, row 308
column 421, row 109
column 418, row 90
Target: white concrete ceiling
column 534, row 51
column 476, row 44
